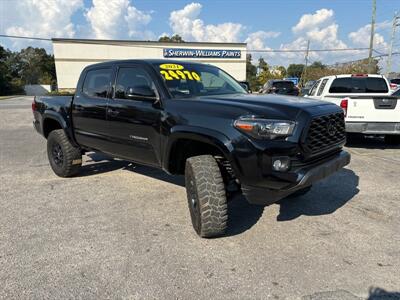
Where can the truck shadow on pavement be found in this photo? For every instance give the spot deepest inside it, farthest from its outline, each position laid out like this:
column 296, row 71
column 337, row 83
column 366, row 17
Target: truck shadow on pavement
column 242, row 215
column 99, row 163
column 376, row 293
column 324, row 198
column 369, row 142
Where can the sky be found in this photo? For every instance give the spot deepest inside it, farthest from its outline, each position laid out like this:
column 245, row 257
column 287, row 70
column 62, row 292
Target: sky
column 261, row 24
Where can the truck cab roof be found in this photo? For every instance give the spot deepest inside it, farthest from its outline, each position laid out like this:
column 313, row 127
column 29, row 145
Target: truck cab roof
column 352, row 75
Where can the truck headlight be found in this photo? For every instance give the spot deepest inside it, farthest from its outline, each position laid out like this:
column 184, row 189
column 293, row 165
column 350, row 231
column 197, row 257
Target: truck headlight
column 265, row 128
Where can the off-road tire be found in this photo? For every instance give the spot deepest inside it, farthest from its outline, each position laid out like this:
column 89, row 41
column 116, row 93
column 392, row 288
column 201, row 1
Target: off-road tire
column 64, row 158
column 206, row 196
column 392, row 139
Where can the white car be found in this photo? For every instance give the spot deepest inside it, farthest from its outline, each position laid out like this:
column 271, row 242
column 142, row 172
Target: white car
column 366, row 101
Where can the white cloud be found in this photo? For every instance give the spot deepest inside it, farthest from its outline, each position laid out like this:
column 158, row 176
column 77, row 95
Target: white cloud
column 309, row 21
column 113, row 19
column 44, row 18
column 326, row 37
column 319, row 28
column 137, row 21
column 256, row 40
column 322, row 31
column 106, row 17
column 186, row 23
column 361, row 37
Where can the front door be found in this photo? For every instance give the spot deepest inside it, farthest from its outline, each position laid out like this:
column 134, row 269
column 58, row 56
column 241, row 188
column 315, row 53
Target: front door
column 89, row 108
column 134, row 123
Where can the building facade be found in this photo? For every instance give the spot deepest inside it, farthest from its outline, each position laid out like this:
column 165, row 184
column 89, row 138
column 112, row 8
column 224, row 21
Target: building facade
column 72, row 55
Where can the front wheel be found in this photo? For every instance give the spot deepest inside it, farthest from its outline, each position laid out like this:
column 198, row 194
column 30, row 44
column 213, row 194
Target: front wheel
column 206, row 196
column 64, row 158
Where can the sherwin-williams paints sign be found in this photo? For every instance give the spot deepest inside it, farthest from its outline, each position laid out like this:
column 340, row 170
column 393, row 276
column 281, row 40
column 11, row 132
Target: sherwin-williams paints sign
column 201, row 53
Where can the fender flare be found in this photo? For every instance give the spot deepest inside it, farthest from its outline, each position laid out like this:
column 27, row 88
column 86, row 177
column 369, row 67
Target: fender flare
column 200, row 134
column 50, row 114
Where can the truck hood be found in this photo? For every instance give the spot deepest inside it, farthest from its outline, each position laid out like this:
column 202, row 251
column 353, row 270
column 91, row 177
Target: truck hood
column 269, row 99
column 273, row 105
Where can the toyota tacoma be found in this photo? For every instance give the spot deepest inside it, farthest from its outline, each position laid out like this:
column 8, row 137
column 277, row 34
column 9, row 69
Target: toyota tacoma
column 195, row 120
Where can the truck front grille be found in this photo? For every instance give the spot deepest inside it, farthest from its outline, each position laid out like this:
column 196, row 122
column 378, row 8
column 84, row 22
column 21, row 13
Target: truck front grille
column 325, row 132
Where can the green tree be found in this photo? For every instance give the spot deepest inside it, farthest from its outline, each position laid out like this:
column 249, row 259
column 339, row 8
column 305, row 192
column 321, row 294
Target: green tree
column 251, row 73
column 263, row 72
column 5, row 78
column 282, row 70
column 262, row 64
column 361, row 67
column 35, row 66
column 29, row 66
column 174, row 39
column 295, row 70
column 317, row 65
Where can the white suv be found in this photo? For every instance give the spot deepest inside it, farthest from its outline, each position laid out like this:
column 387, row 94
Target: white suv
column 367, row 102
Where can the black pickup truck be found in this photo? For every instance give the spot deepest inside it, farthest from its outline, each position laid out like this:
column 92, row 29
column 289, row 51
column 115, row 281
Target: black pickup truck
column 195, row 119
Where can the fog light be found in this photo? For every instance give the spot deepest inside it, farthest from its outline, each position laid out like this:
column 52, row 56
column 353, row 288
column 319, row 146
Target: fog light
column 281, row 164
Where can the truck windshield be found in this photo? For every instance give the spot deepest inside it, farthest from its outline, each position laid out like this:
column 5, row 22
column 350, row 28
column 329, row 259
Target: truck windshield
column 185, row 80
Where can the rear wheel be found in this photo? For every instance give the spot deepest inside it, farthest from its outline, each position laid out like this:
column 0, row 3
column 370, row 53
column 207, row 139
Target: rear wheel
column 206, row 196
column 392, row 139
column 64, row 158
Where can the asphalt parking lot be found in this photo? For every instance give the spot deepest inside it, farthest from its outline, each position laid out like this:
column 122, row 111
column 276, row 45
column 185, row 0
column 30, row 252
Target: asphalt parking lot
column 123, row 231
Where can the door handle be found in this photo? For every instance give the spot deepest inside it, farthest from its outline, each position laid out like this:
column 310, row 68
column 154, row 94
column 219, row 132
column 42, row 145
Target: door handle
column 112, row 112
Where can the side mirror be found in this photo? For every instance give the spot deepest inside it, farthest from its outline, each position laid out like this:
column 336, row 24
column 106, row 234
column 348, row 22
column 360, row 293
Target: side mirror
column 245, row 85
column 140, row 93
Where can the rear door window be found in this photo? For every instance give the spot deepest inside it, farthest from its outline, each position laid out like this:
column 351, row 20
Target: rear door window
column 322, row 86
column 314, row 88
column 352, row 85
column 97, row 83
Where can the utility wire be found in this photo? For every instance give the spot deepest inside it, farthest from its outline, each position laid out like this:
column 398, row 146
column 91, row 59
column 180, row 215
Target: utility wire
column 24, row 37
column 304, row 50
column 111, row 42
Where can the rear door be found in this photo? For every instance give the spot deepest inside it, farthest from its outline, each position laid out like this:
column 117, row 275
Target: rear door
column 134, row 123
column 89, row 107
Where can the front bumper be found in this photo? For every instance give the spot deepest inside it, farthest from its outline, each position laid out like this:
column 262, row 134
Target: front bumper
column 305, row 177
column 373, row 127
